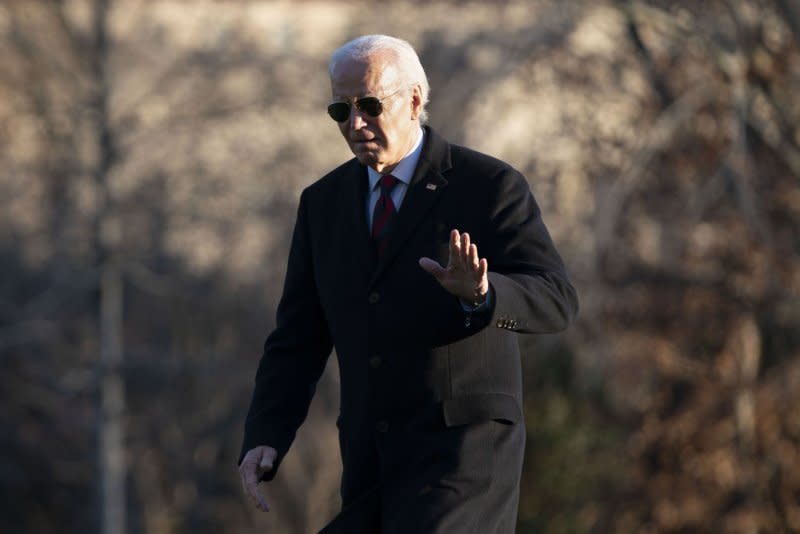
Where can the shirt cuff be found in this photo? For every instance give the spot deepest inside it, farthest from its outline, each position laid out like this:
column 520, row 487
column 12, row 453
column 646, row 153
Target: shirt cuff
column 469, row 307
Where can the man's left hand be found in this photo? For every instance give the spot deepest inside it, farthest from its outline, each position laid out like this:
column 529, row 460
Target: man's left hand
column 465, row 275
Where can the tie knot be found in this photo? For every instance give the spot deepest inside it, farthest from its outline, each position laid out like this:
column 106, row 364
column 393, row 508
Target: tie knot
column 387, row 183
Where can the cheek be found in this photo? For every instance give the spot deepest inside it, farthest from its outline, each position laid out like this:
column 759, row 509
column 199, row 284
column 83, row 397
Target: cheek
column 385, row 133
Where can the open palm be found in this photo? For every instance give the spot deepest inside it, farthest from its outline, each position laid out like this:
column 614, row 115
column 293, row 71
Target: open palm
column 465, row 275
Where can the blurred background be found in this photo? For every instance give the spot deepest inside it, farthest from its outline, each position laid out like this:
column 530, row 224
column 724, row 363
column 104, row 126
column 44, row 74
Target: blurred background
column 152, row 154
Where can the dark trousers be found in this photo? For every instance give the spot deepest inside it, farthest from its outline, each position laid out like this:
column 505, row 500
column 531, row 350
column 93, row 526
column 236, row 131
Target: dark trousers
column 460, row 479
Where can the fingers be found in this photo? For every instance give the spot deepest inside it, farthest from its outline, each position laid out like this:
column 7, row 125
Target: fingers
column 466, row 274
column 460, row 247
column 433, row 267
column 473, row 261
column 465, row 246
column 482, row 278
column 463, row 262
column 250, row 486
column 249, row 472
column 455, row 248
column 472, row 265
column 463, row 253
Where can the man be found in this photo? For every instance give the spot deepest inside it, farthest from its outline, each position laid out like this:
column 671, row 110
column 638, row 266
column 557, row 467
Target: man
column 385, row 267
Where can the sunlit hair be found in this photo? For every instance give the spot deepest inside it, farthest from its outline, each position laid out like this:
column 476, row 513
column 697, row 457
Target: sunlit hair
column 406, row 60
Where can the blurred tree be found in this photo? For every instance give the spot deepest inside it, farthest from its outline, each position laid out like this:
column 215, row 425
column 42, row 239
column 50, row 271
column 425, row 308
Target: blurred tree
column 100, row 233
column 152, row 155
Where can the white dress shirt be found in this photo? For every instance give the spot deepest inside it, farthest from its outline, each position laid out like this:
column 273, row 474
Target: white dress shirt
column 403, row 172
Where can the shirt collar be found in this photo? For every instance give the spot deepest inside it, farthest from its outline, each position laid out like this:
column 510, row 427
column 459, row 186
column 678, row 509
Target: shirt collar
column 405, row 169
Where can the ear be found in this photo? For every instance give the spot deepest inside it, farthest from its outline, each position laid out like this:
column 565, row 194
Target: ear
column 416, row 102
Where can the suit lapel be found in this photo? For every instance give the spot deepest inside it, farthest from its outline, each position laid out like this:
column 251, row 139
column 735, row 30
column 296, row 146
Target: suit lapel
column 356, row 243
column 425, row 189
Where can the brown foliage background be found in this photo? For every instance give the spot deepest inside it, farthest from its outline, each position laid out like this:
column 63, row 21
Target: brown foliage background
column 152, row 154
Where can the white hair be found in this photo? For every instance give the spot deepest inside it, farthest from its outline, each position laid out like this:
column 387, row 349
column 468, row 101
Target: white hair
column 406, row 60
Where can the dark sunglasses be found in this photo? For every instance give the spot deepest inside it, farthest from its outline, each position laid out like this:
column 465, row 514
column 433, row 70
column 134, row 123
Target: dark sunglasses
column 371, row 105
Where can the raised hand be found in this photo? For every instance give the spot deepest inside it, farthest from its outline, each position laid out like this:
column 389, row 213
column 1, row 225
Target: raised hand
column 465, row 275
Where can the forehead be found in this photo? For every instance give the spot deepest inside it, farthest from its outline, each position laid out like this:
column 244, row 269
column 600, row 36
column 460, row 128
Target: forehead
column 374, row 76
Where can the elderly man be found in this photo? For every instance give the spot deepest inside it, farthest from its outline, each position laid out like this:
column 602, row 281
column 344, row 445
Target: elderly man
column 420, row 262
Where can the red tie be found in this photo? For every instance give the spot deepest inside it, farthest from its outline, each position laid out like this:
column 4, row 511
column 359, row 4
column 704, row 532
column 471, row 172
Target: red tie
column 383, row 214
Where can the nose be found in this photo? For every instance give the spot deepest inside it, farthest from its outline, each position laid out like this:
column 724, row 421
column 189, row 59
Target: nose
column 357, row 120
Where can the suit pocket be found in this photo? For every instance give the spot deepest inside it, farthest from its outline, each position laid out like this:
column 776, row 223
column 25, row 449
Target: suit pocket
column 481, row 407
column 454, row 461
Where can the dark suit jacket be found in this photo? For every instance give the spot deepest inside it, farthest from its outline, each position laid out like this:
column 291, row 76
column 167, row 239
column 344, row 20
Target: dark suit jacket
column 410, row 357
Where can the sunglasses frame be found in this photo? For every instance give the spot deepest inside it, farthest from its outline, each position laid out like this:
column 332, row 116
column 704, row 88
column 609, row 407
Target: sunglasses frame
column 362, row 104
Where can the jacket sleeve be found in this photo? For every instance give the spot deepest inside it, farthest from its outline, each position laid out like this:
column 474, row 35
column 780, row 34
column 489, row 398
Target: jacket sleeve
column 528, row 281
column 294, row 354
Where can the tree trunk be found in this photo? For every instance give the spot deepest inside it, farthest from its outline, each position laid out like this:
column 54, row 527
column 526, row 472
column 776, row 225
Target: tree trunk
column 111, row 430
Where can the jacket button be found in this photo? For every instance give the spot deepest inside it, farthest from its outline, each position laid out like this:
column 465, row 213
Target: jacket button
column 374, row 297
column 375, row 362
column 382, row 426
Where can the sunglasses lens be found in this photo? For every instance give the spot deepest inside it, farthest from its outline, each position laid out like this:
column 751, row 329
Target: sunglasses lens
column 339, row 111
column 370, row 105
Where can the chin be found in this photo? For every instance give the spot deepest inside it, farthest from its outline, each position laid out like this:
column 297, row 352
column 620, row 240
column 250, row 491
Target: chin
column 367, row 158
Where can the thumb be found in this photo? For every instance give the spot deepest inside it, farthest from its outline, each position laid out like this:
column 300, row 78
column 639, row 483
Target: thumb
column 432, row 267
column 268, row 458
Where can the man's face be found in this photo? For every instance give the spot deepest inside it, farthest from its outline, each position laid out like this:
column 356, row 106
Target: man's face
column 379, row 142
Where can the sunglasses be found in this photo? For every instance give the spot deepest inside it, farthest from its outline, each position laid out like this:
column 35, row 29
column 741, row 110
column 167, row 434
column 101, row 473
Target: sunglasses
column 371, row 105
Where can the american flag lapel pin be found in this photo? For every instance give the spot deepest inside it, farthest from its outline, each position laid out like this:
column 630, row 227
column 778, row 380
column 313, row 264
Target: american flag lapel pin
column 432, row 187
